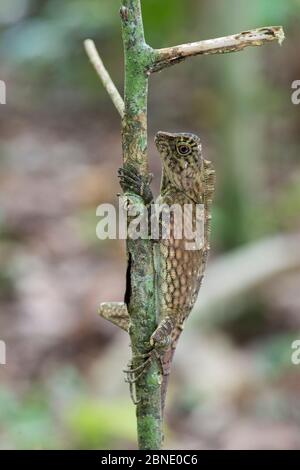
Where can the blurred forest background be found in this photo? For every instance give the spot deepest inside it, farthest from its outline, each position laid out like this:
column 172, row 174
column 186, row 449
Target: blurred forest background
column 233, row 384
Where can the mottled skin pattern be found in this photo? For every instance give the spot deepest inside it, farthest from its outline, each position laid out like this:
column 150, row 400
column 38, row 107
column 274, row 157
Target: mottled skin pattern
column 187, row 178
column 117, row 313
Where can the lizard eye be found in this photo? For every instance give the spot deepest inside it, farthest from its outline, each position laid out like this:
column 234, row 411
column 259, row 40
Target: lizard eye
column 184, row 149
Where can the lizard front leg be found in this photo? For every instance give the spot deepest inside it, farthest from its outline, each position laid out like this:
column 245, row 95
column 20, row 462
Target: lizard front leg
column 133, row 182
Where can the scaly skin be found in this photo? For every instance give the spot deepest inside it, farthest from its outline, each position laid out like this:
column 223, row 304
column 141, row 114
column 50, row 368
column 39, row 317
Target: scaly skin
column 187, row 178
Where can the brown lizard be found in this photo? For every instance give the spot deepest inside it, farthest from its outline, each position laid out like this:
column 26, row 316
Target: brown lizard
column 188, row 180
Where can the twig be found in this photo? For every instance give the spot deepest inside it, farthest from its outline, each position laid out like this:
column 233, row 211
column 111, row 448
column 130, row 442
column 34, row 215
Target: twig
column 237, row 42
column 104, row 75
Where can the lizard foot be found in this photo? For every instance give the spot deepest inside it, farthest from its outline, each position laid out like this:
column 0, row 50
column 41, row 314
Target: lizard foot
column 134, row 373
column 132, row 181
column 160, row 342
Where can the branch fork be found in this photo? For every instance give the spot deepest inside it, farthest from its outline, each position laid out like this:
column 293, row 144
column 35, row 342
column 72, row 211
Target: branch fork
column 168, row 56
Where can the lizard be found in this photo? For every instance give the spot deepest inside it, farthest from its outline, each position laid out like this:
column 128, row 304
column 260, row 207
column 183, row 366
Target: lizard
column 188, row 179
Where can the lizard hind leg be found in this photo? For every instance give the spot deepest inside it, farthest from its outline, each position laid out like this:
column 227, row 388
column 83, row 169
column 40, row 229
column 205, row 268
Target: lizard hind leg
column 133, row 374
column 161, row 342
column 131, row 370
column 162, row 336
column 161, row 345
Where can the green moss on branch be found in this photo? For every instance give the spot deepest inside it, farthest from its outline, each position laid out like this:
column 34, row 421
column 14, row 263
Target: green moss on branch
column 142, row 307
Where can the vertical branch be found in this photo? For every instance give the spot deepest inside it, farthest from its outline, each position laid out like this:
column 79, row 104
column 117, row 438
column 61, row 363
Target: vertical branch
column 141, row 307
column 136, row 85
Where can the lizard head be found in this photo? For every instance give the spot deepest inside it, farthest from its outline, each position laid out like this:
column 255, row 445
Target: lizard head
column 181, row 154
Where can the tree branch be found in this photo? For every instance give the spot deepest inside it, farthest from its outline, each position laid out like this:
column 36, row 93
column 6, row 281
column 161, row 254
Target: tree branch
column 237, row 42
column 140, row 292
column 109, row 85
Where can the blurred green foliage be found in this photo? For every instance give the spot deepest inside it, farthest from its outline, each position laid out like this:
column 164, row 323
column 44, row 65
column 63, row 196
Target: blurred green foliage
column 63, row 415
column 274, row 356
column 93, row 424
column 27, row 424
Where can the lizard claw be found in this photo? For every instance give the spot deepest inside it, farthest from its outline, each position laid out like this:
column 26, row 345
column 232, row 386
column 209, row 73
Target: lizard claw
column 132, row 181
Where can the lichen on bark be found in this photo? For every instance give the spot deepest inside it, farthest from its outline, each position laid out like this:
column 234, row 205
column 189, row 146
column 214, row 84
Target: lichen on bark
column 141, row 298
